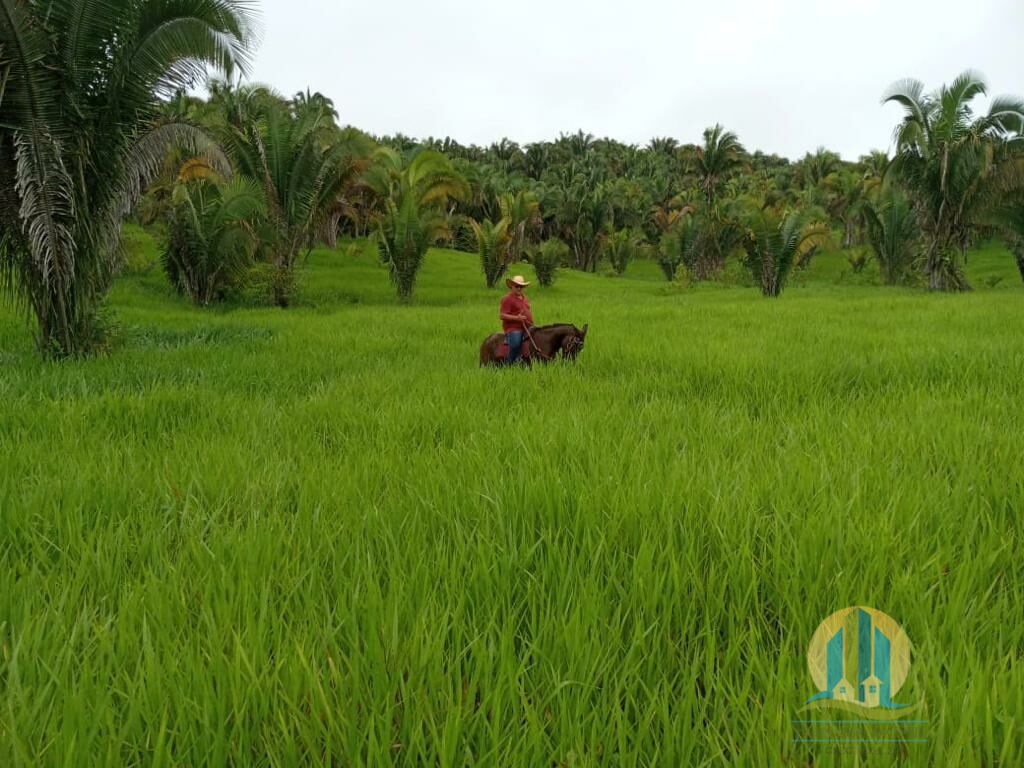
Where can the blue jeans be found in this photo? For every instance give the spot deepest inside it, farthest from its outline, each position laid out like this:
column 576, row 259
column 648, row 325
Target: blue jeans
column 515, row 345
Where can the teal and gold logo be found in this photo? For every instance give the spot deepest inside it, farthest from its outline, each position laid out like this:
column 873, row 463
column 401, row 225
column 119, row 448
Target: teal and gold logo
column 859, row 659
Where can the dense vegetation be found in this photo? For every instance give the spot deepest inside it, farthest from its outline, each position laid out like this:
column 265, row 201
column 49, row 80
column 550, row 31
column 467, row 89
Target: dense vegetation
column 246, row 182
column 81, row 134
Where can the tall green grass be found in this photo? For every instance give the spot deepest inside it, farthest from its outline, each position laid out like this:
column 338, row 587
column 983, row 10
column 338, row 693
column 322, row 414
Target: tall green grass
column 324, row 536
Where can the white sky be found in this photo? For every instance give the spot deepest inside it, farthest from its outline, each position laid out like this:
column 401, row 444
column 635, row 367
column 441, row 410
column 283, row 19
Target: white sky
column 785, row 75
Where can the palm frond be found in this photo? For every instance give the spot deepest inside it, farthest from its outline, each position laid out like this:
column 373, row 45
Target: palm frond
column 956, row 96
column 1007, row 114
column 191, row 34
column 47, row 208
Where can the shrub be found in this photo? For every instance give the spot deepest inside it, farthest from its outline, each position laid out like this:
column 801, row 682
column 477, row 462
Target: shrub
column 621, row 248
column 673, row 249
column 858, row 259
column 714, row 239
column 211, row 237
column 492, row 244
column 736, row 273
column 684, row 278
column 547, row 258
column 773, row 246
column 893, row 234
column 140, row 252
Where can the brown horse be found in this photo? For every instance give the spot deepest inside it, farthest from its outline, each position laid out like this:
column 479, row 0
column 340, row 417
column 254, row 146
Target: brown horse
column 549, row 341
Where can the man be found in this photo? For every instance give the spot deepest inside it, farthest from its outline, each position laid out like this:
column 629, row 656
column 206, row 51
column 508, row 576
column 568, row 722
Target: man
column 516, row 316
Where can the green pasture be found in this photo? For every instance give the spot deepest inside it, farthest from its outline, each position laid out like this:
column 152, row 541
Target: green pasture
column 324, row 536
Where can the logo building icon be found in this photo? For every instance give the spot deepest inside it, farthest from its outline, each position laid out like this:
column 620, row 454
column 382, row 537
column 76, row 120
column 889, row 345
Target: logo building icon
column 859, row 659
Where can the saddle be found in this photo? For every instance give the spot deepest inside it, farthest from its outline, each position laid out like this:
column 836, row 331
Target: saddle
column 524, row 351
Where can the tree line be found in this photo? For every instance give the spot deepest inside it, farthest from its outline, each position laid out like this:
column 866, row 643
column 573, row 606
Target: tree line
column 96, row 125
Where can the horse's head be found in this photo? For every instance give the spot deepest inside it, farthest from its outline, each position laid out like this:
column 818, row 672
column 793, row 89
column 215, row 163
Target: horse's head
column 573, row 342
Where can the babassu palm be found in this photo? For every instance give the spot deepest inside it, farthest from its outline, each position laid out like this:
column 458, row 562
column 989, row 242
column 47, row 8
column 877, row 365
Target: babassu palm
column 81, row 133
column 955, row 166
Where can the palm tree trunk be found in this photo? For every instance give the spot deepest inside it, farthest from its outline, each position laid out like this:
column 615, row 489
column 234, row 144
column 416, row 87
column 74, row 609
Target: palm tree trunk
column 943, row 269
column 67, row 324
column 284, row 280
column 281, row 297
column 933, row 266
column 769, row 277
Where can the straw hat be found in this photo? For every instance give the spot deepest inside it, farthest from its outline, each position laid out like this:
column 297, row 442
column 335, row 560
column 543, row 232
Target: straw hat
column 517, row 280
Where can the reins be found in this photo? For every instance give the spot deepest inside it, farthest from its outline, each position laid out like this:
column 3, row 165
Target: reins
column 533, row 344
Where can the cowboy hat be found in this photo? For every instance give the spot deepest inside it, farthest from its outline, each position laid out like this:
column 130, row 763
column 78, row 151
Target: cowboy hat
column 516, row 280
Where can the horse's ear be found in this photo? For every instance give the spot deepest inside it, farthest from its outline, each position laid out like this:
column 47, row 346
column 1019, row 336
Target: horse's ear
column 585, row 326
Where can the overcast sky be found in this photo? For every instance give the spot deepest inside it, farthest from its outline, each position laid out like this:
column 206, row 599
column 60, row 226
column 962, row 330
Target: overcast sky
column 786, row 75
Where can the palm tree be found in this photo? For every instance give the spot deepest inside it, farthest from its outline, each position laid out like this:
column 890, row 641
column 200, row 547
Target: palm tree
column 677, row 247
column 955, row 166
column 415, row 196
column 505, row 155
column 581, row 212
column 664, row 145
column 1009, row 221
column 304, row 166
column 875, row 163
column 81, row 136
column 536, row 159
column 718, row 237
column 304, row 101
column 492, row 241
column 574, row 145
column 845, row 203
column 522, row 210
column 236, row 104
column 212, row 236
column 621, row 248
column 720, row 153
column 892, row 233
column 774, row 246
column 546, row 258
column 664, row 217
column 815, row 167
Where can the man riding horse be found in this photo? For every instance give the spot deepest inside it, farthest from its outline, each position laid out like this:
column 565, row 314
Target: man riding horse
column 516, row 316
column 546, row 342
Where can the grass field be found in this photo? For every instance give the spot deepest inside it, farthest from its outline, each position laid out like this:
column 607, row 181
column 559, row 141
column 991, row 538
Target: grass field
column 324, row 536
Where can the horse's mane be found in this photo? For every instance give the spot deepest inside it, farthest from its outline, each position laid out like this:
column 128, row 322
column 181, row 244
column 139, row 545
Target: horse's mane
column 553, row 326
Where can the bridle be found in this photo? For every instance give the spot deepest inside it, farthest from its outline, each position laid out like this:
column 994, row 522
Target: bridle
column 576, row 342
